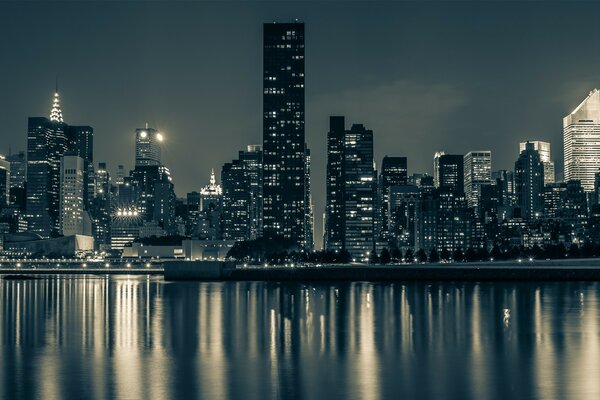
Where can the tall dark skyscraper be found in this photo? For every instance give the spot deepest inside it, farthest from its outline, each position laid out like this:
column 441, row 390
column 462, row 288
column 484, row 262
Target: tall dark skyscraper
column 80, row 141
column 529, row 182
column 451, row 172
column 393, row 173
column 46, row 144
column 284, row 146
column 336, row 180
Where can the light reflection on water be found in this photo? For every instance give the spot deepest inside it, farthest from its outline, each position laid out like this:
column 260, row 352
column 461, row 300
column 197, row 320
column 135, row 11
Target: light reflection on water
column 140, row 337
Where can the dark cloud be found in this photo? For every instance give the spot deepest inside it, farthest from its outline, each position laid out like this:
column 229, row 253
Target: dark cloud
column 423, row 75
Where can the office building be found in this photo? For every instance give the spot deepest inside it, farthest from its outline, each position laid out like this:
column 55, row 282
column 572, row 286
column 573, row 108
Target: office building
column 529, row 183
column 436, row 168
column 72, row 219
column 581, row 135
column 284, row 146
column 46, row 144
column 148, row 142
column 4, row 182
column 335, row 215
column 543, row 149
column 451, row 172
column 477, row 172
column 394, row 172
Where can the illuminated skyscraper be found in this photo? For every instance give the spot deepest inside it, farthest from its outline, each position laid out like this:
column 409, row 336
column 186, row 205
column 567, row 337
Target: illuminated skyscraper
column 543, row 149
column 393, row 173
column 284, row 146
column 71, row 196
column 581, row 130
column 148, row 142
column 436, row 168
column 336, row 182
column 451, row 172
column 477, row 172
column 46, row 144
column 4, row 182
column 529, row 182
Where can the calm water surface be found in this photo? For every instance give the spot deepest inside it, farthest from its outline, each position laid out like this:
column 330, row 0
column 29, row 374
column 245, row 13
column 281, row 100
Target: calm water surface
column 140, row 337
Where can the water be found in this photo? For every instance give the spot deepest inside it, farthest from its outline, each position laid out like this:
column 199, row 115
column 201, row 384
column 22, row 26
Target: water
column 140, row 337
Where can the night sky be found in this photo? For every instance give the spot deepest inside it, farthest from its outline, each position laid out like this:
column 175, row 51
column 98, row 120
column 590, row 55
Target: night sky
column 424, row 76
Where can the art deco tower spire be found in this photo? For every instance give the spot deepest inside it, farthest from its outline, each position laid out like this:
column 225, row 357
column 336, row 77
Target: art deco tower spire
column 56, row 112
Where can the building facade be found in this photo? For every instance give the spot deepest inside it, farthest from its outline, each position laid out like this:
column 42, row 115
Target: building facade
column 529, row 183
column 284, row 146
column 477, row 172
column 581, row 135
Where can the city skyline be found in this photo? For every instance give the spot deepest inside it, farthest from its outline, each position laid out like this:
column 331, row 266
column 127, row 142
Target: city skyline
column 369, row 103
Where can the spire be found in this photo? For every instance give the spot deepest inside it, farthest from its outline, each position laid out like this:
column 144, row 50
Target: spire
column 56, row 112
column 213, row 180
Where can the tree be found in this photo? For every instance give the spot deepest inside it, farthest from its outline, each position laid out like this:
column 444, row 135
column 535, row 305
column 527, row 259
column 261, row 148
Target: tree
column 433, row 256
column 458, row 255
column 385, row 256
column 587, row 250
column 445, row 255
column 396, row 254
column 497, row 253
column 373, row 257
column 471, row 255
column 421, row 255
column 409, row 256
column 482, row 254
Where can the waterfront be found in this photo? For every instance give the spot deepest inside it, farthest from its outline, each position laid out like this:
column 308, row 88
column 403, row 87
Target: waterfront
column 141, row 337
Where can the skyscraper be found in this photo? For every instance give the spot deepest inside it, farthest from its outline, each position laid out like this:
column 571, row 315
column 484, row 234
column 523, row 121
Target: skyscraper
column 545, row 155
column 236, row 201
column 529, row 182
column 477, row 172
column 359, row 191
column 71, row 195
column 436, row 168
column 451, row 172
column 18, row 169
column 284, row 146
column 393, row 173
column 581, row 130
column 336, row 182
column 148, row 146
column 4, row 182
column 80, row 141
column 46, row 144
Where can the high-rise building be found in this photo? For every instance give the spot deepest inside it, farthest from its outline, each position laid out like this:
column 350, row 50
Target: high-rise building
column 336, row 182
column 436, row 168
column 18, row 169
column 46, row 144
column 546, row 156
column 554, row 199
column 80, row 141
column 211, row 208
column 394, row 172
column 529, row 182
column 477, row 172
column 404, row 207
column 4, row 182
column 309, row 240
column 581, row 130
column 284, row 145
column 72, row 191
column 101, row 208
column 236, row 201
column 148, row 142
column 359, row 192
column 253, row 159
column 445, row 221
column 451, row 172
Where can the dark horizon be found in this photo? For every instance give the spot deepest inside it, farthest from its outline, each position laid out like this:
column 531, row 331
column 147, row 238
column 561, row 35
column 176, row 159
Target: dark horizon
column 423, row 76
